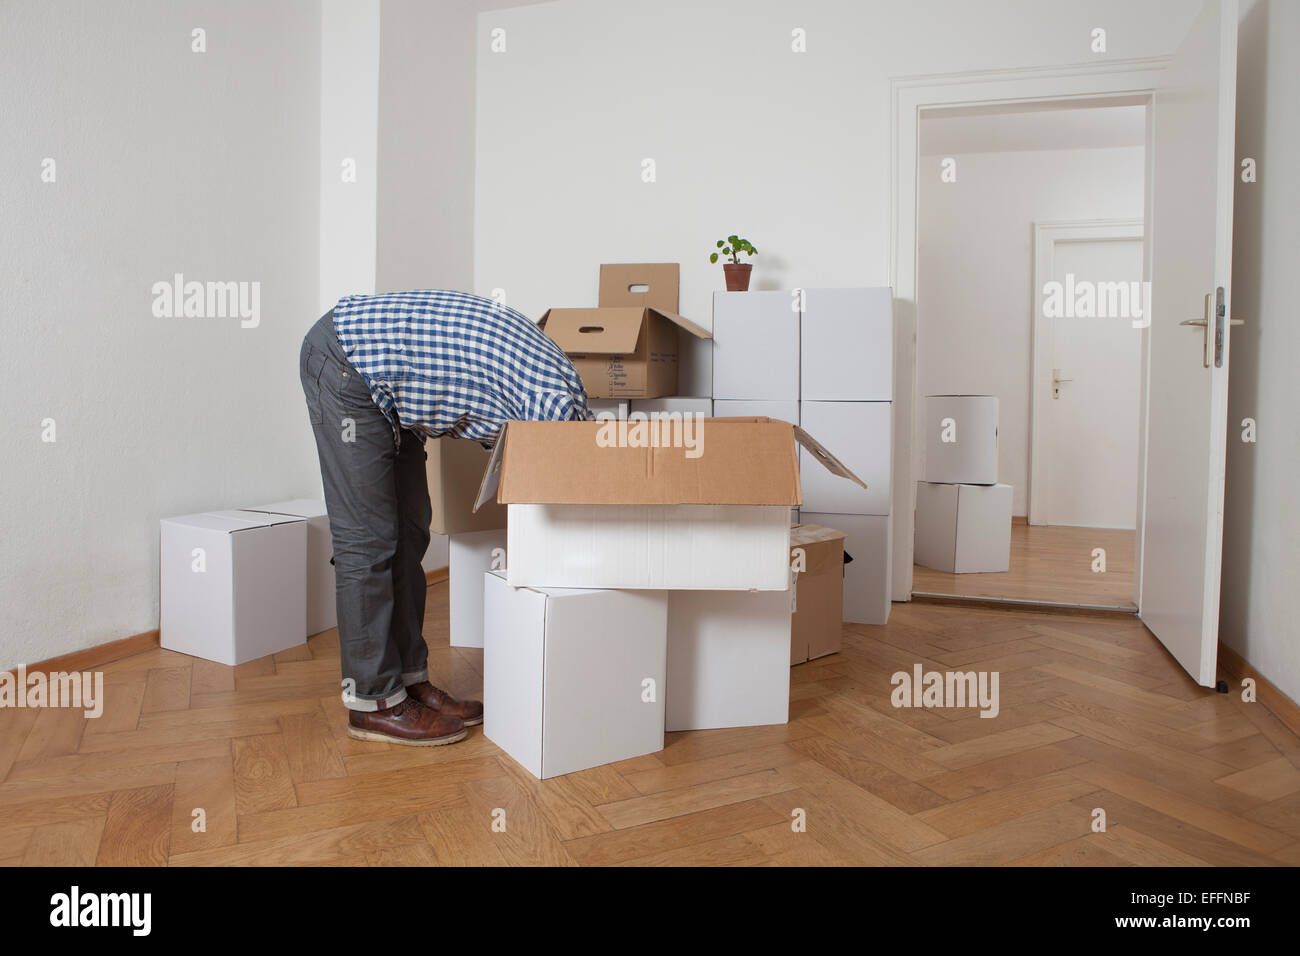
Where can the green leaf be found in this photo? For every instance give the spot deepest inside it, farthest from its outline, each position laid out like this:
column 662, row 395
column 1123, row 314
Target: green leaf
column 713, row 257
column 719, row 243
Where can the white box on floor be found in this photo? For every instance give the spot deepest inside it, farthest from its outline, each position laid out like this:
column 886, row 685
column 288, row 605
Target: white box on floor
column 861, row 434
column 755, row 346
column 961, row 439
column 781, row 411
column 963, row 528
column 233, row 584
column 728, row 659
column 322, row 609
column 676, row 404
column 573, row 678
column 468, row 556
column 846, row 345
column 868, row 577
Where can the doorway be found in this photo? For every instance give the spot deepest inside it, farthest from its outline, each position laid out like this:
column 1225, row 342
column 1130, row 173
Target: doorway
column 1030, row 261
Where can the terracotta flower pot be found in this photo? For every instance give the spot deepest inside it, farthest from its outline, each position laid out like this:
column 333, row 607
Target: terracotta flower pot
column 737, row 274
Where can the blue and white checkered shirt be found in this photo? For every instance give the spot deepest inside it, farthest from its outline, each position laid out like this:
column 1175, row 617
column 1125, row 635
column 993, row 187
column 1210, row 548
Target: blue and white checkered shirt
column 441, row 362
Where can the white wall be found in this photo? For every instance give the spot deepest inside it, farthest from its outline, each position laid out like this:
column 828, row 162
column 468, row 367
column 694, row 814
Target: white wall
column 790, row 149
column 167, row 161
column 1260, row 604
column 975, row 266
column 349, row 133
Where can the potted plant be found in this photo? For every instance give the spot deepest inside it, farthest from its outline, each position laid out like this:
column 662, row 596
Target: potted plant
column 737, row 272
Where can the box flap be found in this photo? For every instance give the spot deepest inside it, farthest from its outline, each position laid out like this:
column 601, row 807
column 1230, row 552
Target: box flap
column 650, row 285
column 302, row 507
column 487, row 488
column 253, row 519
column 828, row 461
column 696, row 330
column 804, row 534
column 612, row 331
column 739, row 462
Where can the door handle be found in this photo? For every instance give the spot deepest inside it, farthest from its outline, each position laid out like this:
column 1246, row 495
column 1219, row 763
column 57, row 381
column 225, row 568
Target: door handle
column 1213, row 301
column 1056, row 382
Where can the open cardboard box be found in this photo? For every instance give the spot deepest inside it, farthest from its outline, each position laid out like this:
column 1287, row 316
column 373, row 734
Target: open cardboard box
column 626, row 347
column 591, row 506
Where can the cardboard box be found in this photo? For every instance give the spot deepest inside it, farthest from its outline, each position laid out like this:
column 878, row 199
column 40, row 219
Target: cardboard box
column 868, row 577
column 755, row 346
column 233, row 584
column 626, row 347
column 781, row 411
column 817, row 558
column 322, row 606
column 963, row 528
column 468, row 556
column 590, row 507
column 972, row 456
column 728, row 659
column 573, row 679
column 454, row 467
column 846, row 345
column 862, row 434
column 677, row 404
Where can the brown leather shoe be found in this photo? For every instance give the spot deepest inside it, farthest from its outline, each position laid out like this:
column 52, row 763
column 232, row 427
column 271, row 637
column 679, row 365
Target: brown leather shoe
column 409, row 723
column 439, row 701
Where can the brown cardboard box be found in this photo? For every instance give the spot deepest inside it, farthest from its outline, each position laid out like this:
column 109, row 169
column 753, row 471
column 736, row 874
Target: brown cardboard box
column 594, row 504
column 455, row 468
column 819, row 592
column 626, row 347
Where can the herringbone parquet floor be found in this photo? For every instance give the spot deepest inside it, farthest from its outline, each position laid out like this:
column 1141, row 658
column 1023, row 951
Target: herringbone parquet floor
column 1094, row 714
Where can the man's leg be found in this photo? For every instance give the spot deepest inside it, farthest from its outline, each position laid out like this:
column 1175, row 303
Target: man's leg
column 409, row 590
column 358, row 469
column 414, row 512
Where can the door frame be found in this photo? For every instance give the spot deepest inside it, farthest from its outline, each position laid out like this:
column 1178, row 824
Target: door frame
column 1046, row 235
column 1110, row 83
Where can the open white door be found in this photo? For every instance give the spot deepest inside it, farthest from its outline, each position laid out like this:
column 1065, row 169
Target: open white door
column 1193, row 167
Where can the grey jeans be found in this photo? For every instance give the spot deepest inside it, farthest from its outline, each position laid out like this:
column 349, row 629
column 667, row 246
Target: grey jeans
column 377, row 497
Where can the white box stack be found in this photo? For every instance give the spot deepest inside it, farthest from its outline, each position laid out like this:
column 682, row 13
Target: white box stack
column 468, row 556
column 322, row 607
column 963, row 516
column 828, row 354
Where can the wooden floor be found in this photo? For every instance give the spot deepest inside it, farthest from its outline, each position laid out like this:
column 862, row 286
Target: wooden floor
column 1048, row 563
column 1094, row 714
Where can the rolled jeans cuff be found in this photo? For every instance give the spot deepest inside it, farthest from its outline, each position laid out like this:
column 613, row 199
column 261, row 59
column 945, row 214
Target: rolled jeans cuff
column 372, row 704
column 414, row 677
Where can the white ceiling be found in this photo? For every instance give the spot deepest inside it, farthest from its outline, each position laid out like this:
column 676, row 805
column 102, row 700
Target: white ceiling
column 950, row 132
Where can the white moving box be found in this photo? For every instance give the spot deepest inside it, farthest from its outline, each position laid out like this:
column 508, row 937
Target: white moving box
column 233, row 584
column 683, row 404
column 781, row 411
column 589, row 509
column 862, row 431
column 868, row 577
column 728, row 659
column 755, row 346
column 963, row 528
column 972, row 421
column 322, row 608
column 846, row 345
column 572, row 679
column 468, row 556
column 614, row 407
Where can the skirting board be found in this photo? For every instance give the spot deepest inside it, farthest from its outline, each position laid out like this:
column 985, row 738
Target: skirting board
column 1233, row 667
column 101, row 654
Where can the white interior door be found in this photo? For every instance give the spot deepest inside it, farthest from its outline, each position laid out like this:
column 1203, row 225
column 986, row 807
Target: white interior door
column 1192, row 137
column 1087, row 376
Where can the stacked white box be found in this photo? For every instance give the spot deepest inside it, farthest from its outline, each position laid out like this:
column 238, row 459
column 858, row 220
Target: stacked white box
column 961, row 439
column 468, row 556
column 963, row 528
column 676, row 404
column 846, row 391
column 322, row 606
column 233, row 584
column 755, row 346
column 573, row 678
